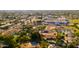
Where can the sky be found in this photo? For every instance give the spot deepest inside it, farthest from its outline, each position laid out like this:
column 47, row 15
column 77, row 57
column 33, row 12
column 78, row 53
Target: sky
column 39, row 4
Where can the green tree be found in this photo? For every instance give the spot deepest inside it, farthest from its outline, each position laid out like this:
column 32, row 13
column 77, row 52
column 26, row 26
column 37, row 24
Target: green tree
column 23, row 39
column 9, row 40
column 35, row 36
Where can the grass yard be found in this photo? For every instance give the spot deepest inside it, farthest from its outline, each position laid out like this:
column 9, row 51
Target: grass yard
column 74, row 21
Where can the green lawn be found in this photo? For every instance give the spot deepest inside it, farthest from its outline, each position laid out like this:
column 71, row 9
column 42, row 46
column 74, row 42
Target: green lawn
column 74, row 21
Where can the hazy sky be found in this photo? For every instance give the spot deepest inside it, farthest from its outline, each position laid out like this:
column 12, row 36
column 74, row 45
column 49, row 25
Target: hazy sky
column 39, row 4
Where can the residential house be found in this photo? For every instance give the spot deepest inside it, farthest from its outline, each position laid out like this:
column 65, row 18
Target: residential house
column 68, row 36
column 58, row 21
column 49, row 33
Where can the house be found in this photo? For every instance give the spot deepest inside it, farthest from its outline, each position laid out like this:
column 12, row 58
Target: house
column 51, row 46
column 49, row 35
column 50, row 27
column 12, row 29
column 49, row 32
column 68, row 36
column 30, row 45
column 58, row 21
column 5, row 26
column 36, row 21
column 26, row 45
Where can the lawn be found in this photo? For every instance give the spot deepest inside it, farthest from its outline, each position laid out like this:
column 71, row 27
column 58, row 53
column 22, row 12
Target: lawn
column 74, row 21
